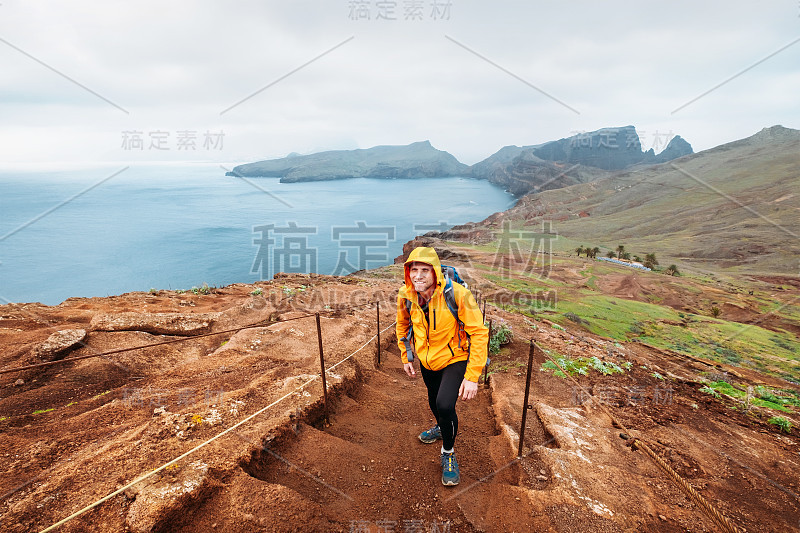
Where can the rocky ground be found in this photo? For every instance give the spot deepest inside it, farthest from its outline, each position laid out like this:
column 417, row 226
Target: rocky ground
column 75, row 432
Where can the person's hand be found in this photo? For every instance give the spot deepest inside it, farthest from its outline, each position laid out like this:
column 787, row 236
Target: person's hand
column 468, row 389
column 409, row 368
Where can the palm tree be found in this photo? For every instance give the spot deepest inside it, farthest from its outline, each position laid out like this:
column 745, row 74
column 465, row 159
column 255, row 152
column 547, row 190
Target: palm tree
column 610, row 254
column 637, row 258
column 626, row 256
column 595, row 251
column 620, row 251
column 650, row 261
column 672, row 270
column 579, row 250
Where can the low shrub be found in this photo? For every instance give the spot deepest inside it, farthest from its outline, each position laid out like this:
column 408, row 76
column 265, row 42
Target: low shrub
column 501, row 334
column 782, row 423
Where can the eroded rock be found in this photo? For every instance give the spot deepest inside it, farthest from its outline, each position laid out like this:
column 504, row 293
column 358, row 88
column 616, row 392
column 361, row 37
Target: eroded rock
column 156, row 323
column 156, row 504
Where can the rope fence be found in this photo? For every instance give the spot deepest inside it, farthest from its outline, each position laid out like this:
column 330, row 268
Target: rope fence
column 718, row 518
column 259, row 324
column 229, row 429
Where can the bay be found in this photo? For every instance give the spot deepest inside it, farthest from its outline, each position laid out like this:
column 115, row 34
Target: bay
column 110, row 230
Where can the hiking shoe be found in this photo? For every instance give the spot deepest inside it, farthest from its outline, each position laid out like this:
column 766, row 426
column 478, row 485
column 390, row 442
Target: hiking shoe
column 450, row 475
column 431, row 435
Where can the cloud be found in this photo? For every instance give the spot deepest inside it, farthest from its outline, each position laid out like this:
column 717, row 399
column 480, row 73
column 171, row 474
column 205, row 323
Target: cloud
column 177, row 65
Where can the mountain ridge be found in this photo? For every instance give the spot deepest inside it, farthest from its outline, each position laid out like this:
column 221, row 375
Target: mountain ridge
column 510, row 167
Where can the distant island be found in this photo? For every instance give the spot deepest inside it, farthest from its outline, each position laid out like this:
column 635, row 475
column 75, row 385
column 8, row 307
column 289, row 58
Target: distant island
column 416, row 160
column 580, row 158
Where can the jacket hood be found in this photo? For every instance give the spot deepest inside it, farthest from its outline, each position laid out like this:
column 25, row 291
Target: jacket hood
column 423, row 254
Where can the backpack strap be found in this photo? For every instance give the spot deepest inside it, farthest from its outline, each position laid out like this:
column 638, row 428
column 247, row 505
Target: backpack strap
column 408, row 340
column 450, row 300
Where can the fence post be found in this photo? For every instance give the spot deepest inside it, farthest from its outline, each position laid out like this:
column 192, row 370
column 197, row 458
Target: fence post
column 322, row 366
column 525, row 405
column 378, row 313
column 486, row 367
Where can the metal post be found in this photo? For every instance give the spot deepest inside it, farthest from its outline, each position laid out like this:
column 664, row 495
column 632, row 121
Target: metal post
column 322, row 366
column 525, row 405
column 379, row 331
column 484, row 308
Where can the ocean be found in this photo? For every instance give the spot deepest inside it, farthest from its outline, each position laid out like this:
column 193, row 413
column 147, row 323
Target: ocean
column 110, row 230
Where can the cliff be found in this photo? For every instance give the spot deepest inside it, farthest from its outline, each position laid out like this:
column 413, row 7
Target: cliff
column 577, row 159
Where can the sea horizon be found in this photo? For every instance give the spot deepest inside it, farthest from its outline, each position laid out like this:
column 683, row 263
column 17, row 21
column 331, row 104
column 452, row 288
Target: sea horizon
column 112, row 229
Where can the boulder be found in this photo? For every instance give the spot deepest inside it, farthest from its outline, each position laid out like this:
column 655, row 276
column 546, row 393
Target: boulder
column 59, row 344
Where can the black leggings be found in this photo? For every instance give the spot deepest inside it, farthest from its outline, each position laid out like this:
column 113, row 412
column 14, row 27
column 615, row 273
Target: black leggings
column 443, row 388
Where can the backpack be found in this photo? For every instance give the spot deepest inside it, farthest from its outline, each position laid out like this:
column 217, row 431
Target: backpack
column 450, row 275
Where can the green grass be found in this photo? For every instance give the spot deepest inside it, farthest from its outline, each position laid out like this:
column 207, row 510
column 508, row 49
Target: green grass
column 762, row 396
column 784, row 397
column 503, row 366
column 775, row 353
column 710, row 390
column 612, row 317
column 523, row 283
column 40, row 411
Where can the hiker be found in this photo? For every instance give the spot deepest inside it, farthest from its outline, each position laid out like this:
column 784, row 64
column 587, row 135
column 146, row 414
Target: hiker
column 452, row 352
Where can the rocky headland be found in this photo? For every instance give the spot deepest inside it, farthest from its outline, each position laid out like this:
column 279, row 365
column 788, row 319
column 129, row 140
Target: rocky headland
column 416, row 160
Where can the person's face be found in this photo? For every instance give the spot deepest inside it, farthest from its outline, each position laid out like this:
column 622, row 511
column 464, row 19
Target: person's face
column 422, row 277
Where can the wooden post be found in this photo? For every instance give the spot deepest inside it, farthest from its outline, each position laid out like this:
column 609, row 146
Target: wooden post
column 486, row 367
column 378, row 316
column 322, row 366
column 525, row 406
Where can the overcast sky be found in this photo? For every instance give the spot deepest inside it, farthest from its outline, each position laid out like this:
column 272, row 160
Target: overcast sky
column 88, row 81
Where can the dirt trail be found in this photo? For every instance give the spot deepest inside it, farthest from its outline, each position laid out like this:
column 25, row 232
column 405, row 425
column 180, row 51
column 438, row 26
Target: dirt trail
column 367, row 470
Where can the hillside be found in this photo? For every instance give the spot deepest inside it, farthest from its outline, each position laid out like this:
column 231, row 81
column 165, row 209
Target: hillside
column 230, row 429
column 734, row 207
column 416, row 160
column 204, row 410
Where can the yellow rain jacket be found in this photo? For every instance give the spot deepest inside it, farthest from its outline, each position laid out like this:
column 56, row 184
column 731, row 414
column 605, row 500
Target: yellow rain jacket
column 436, row 340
